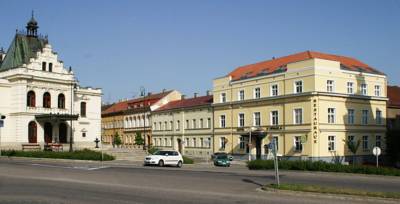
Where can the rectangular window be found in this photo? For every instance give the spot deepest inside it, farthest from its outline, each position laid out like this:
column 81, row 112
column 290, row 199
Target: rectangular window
column 222, row 143
column 330, row 85
column 378, row 117
column 364, row 118
column 274, row 118
column 256, row 119
column 222, row 121
column 194, row 125
column 350, row 139
column 378, row 141
column 274, row 90
column 187, row 124
column 331, row 143
column 83, row 109
column 331, row 115
column 201, row 123
column 257, row 93
column 241, row 95
column 241, row 120
column 223, row 98
column 298, row 116
column 298, row 147
column 365, row 142
column 298, row 86
column 350, row 89
column 363, row 90
column 50, row 67
column 377, row 90
column 242, row 142
column 350, row 116
column 208, row 122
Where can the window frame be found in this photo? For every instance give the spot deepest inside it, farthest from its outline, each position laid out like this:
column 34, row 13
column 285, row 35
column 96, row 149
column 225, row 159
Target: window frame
column 332, row 115
column 272, row 118
column 295, row 87
column 331, row 143
column 240, row 120
column 350, row 86
column 295, row 117
column 330, row 87
column 272, row 93
column 257, row 93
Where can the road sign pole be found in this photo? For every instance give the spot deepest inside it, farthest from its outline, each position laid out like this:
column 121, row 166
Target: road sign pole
column 377, row 161
column 276, row 164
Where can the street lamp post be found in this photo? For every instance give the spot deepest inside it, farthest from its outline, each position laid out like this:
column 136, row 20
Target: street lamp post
column 250, row 144
column 143, row 93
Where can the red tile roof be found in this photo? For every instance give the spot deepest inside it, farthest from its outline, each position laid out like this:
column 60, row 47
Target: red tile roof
column 279, row 65
column 186, row 103
column 393, row 93
column 130, row 104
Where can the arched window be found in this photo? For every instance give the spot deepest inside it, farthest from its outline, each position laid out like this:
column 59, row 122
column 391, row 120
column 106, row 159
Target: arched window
column 83, row 109
column 31, row 99
column 46, row 100
column 32, row 132
column 43, row 66
column 61, row 101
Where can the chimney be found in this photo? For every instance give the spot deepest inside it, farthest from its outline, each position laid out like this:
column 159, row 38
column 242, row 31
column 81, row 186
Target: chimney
column 273, row 58
column 207, row 93
column 182, row 97
column 195, row 95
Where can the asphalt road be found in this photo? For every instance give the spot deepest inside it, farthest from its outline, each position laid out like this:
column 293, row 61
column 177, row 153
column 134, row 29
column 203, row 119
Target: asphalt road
column 41, row 182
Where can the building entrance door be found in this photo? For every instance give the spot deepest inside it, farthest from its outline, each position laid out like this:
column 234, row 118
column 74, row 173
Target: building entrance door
column 48, row 133
column 180, row 146
column 62, row 133
column 258, row 148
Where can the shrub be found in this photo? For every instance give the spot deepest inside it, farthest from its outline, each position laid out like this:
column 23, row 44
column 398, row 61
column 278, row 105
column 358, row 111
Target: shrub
column 187, row 160
column 322, row 166
column 84, row 154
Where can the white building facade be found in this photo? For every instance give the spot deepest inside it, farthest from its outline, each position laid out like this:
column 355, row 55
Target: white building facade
column 42, row 100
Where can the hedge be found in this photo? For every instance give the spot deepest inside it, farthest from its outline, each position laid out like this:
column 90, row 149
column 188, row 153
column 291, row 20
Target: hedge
column 84, row 154
column 322, row 166
column 187, row 160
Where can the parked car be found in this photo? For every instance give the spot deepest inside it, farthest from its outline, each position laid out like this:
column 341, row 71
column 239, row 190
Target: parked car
column 162, row 158
column 213, row 156
column 222, row 160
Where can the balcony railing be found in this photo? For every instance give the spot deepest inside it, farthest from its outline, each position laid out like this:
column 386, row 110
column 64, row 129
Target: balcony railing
column 47, row 110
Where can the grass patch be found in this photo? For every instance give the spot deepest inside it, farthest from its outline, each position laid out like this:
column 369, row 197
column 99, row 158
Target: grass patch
column 331, row 190
column 187, row 160
column 84, row 154
column 322, row 166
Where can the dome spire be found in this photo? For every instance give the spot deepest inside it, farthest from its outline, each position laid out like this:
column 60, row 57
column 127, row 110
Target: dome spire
column 32, row 27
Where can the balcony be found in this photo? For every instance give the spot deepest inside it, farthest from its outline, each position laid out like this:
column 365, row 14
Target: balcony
column 42, row 110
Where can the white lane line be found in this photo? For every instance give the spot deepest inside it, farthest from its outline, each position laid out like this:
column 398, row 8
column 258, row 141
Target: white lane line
column 71, row 167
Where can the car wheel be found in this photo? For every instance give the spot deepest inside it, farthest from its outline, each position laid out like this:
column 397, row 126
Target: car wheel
column 161, row 163
column 179, row 165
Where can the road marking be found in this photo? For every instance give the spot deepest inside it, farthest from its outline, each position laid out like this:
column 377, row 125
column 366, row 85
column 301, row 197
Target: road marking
column 71, row 167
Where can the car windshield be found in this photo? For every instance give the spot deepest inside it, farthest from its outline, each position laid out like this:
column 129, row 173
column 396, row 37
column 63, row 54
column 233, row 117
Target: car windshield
column 222, row 157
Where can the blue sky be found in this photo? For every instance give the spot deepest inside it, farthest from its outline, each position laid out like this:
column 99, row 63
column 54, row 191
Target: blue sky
column 123, row 45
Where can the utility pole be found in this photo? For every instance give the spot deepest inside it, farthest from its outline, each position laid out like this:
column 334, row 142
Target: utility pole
column 143, row 93
column 2, row 117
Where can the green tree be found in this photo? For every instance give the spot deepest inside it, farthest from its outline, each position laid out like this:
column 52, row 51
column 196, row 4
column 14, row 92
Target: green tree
column 117, row 139
column 139, row 139
column 353, row 148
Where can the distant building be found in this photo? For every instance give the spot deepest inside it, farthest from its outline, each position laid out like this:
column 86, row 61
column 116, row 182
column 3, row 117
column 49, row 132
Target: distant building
column 309, row 103
column 128, row 118
column 393, row 125
column 185, row 125
column 42, row 99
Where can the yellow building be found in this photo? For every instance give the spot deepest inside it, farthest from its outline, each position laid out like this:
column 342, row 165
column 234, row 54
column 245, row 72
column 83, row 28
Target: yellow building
column 311, row 103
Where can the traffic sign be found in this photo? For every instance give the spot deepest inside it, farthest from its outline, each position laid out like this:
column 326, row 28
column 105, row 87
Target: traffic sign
column 376, row 151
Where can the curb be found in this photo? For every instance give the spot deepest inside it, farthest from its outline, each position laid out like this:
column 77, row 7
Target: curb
column 327, row 195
